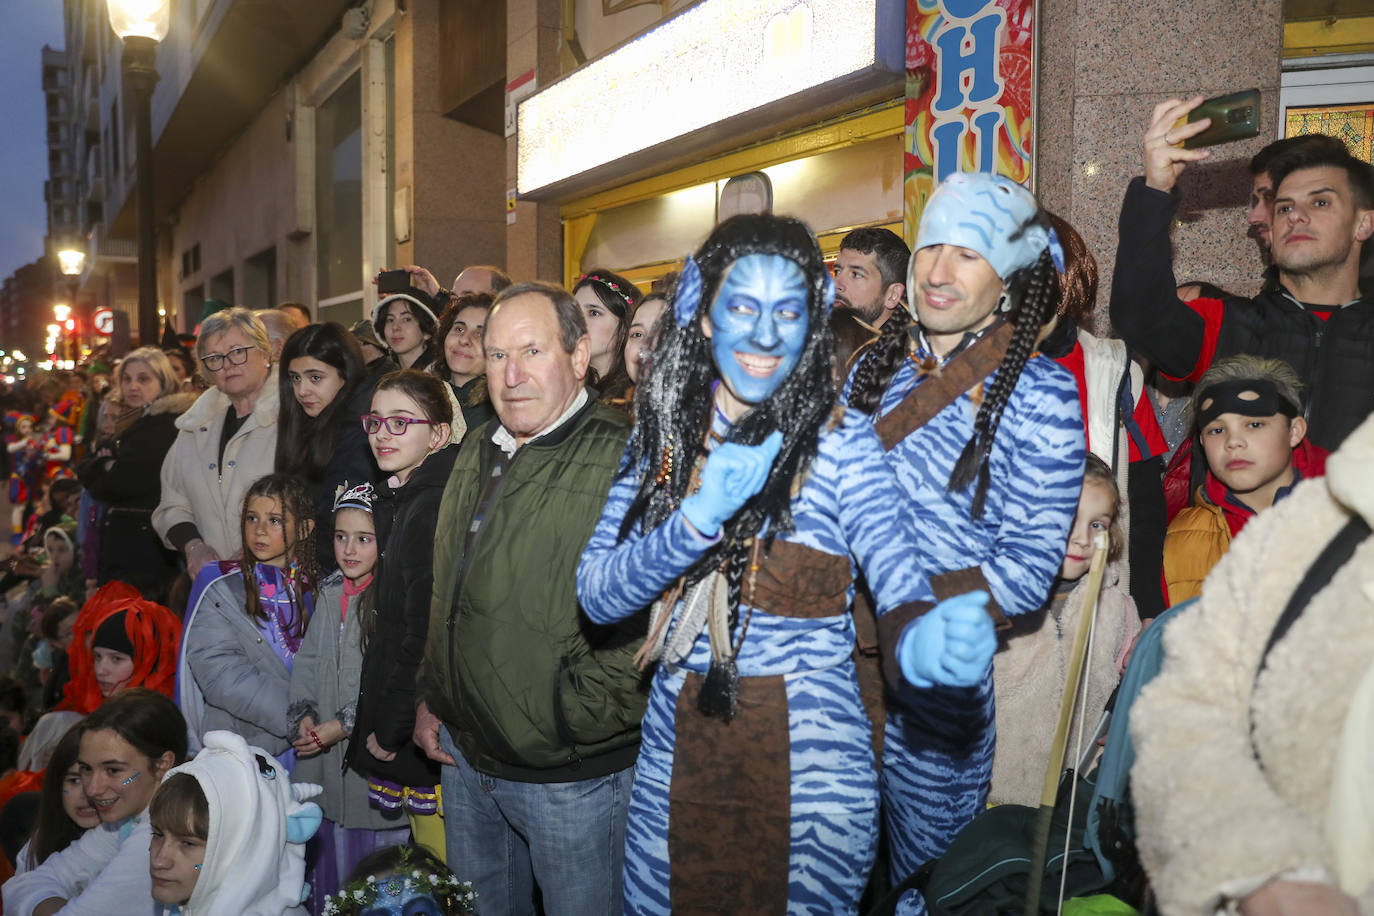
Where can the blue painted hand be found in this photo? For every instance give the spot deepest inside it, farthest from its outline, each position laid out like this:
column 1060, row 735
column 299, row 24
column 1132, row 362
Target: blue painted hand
column 951, row 645
column 733, row 473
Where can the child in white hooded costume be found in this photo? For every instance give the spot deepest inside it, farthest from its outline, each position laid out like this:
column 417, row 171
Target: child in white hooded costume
column 237, row 802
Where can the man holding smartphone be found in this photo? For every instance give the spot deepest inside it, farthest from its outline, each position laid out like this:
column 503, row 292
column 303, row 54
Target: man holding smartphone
column 1313, row 318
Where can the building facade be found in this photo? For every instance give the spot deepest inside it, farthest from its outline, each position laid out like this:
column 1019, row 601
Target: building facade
column 300, row 148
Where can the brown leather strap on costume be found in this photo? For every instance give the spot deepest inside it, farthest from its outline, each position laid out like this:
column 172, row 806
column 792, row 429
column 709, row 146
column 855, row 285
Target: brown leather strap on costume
column 961, row 582
column 944, row 386
column 890, row 627
column 799, row 581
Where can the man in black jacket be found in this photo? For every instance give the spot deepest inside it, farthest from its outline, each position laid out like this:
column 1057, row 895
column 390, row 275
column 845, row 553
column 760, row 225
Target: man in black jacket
column 1314, row 317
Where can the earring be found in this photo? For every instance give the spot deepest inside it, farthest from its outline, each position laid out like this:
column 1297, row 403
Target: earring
column 1004, row 302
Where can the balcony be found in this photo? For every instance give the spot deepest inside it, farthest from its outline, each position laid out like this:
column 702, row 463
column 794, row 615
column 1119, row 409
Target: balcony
column 110, row 250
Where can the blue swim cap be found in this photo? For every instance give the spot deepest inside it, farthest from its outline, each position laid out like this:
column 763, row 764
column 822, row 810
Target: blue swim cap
column 983, row 212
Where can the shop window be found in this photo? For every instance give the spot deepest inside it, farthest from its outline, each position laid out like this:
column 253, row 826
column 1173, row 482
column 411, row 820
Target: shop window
column 1353, row 124
column 222, row 286
column 260, row 280
column 339, row 193
column 1329, row 100
column 192, row 304
column 858, row 185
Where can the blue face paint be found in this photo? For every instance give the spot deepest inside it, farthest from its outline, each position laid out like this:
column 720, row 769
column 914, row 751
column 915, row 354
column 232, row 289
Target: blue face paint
column 398, row 897
column 126, row 782
column 758, row 325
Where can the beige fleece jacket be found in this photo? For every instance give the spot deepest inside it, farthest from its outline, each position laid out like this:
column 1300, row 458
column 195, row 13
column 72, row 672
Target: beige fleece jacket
column 1215, row 822
column 1028, row 674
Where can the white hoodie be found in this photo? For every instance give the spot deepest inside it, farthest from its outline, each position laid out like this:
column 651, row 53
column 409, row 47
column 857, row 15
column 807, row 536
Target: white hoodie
column 255, row 853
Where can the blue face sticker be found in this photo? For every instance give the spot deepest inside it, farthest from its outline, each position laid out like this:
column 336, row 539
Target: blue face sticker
column 395, row 897
column 758, row 325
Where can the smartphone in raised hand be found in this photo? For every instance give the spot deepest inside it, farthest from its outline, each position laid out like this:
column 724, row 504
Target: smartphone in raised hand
column 1235, row 116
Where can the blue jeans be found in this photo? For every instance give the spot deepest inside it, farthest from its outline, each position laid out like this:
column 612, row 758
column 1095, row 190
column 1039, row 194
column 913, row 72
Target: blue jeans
column 506, row 836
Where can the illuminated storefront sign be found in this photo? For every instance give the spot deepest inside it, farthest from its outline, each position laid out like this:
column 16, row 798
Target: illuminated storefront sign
column 970, row 93
column 716, row 61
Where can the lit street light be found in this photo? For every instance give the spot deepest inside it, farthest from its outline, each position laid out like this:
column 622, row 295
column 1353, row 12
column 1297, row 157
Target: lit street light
column 71, row 261
column 142, row 24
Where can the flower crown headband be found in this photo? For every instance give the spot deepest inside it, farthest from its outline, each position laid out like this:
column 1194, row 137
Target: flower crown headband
column 613, row 287
column 358, row 895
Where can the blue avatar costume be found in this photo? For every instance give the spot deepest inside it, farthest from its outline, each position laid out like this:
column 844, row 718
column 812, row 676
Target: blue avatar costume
column 1006, row 535
column 763, row 799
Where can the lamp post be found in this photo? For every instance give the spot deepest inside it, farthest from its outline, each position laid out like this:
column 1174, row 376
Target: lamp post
column 71, row 260
column 63, row 313
column 142, row 24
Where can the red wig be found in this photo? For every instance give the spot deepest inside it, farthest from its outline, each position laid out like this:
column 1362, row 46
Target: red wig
column 153, row 631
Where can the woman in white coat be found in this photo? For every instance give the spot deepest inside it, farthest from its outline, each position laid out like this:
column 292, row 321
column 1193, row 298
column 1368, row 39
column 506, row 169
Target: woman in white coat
column 227, row 440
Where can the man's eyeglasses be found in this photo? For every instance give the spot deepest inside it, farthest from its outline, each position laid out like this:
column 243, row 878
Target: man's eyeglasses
column 215, row 361
column 394, row 425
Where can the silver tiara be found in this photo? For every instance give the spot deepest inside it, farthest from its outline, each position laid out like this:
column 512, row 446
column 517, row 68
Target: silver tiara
column 360, row 497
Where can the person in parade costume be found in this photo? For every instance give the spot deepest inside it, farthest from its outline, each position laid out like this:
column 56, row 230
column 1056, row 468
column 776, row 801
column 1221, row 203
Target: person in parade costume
column 120, row 641
column 403, row 880
column 240, row 639
column 228, row 834
column 325, row 678
column 987, row 440
column 24, row 446
column 61, row 437
column 756, row 789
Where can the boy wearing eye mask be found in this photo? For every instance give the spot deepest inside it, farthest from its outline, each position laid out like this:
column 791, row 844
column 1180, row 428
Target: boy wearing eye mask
column 1248, row 418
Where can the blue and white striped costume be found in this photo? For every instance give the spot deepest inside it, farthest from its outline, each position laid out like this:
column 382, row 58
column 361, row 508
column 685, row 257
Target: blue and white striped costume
column 849, row 505
column 936, row 769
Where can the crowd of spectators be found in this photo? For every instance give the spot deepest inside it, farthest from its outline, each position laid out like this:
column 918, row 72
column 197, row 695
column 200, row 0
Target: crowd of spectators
column 745, row 592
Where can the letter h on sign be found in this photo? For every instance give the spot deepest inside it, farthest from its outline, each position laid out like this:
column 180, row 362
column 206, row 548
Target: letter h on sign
column 966, row 49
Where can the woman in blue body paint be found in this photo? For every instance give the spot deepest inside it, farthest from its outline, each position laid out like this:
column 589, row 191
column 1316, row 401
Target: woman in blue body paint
column 745, row 509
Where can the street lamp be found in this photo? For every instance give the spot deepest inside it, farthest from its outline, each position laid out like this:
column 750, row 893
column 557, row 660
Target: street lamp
column 71, row 261
column 142, row 24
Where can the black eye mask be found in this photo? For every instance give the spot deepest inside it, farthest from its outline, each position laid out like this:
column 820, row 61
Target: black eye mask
column 1225, row 397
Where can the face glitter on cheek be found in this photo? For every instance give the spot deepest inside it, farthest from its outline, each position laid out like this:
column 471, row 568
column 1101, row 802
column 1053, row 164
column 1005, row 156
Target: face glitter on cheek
column 125, row 783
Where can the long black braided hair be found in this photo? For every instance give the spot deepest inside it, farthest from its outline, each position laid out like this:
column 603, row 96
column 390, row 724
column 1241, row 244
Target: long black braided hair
column 674, row 406
column 1034, row 294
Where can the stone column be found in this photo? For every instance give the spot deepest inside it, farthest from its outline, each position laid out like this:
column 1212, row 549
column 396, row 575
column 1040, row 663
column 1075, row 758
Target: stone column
column 455, row 170
column 1103, row 69
column 534, row 242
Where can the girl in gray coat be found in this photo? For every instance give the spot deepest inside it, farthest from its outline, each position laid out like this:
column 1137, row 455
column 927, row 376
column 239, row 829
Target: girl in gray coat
column 239, row 643
column 324, row 698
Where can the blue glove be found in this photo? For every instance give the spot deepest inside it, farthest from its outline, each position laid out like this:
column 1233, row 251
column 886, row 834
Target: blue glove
column 951, row 645
column 733, row 473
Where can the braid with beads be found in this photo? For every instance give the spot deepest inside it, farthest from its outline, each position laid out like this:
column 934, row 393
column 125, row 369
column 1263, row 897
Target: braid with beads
column 1036, row 290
